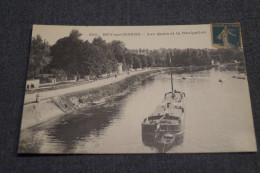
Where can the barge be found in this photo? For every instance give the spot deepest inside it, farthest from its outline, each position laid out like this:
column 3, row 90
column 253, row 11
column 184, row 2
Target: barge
column 166, row 123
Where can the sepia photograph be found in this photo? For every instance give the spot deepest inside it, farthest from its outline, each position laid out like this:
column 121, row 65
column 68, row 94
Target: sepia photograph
column 136, row 89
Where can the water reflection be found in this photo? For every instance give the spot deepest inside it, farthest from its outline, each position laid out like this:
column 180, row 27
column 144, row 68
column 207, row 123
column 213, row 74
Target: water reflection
column 218, row 119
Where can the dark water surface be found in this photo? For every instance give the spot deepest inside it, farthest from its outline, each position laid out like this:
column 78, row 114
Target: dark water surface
column 218, row 119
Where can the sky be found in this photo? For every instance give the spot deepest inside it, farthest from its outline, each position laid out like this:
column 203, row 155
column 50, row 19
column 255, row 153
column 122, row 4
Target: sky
column 135, row 37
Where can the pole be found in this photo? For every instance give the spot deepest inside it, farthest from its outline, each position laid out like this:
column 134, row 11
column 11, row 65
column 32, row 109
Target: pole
column 171, row 81
column 171, row 71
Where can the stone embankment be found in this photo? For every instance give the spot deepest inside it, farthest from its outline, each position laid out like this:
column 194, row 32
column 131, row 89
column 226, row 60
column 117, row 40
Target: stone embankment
column 37, row 113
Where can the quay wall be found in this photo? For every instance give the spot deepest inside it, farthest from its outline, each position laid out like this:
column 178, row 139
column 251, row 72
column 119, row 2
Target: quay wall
column 37, row 113
column 43, row 111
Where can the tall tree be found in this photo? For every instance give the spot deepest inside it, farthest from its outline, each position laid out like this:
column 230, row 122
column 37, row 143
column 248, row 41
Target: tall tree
column 129, row 60
column 99, row 57
column 39, row 57
column 119, row 51
column 137, row 62
column 143, row 61
column 68, row 54
column 150, row 60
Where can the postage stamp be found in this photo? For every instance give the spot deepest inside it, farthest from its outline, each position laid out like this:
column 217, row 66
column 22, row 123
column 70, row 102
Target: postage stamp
column 226, row 35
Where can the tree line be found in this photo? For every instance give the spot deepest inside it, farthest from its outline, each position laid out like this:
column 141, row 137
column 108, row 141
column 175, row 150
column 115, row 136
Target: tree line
column 72, row 56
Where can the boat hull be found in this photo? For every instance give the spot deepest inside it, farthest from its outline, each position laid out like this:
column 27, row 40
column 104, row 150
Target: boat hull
column 148, row 128
column 172, row 127
column 165, row 126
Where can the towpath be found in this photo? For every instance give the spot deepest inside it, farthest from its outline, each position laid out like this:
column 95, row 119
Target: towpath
column 30, row 98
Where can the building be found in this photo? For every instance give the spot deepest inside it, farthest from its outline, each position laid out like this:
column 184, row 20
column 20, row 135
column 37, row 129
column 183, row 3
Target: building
column 119, row 68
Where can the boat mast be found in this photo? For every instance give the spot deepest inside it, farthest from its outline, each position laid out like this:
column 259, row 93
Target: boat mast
column 170, row 57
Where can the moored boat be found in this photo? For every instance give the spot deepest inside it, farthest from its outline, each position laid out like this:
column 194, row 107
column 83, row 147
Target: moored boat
column 167, row 120
column 168, row 114
column 166, row 123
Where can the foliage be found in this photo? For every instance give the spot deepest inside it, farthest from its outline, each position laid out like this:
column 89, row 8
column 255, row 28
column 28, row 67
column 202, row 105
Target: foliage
column 144, row 61
column 150, row 61
column 197, row 57
column 68, row 53
column 72, row 56
column 39, row 57
column 129, row 60
column 58, row 73
column 137, row 62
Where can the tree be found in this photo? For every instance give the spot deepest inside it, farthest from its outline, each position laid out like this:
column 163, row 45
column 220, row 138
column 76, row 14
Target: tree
column 137, row 62
column 111, row 60
column 99, row 57
column 39, row 57
column 129, row 59
column 107, row 54
column 94, row 61
column 143, row 61
column 68, row 53
column 158, row 58
column 119, row 50
column 58, row 73
column 150, row 60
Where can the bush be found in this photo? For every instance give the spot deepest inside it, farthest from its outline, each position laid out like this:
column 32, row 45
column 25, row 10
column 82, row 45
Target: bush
column 59, row 74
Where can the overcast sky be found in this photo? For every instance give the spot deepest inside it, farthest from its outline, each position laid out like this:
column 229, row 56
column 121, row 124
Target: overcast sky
column 190, row 36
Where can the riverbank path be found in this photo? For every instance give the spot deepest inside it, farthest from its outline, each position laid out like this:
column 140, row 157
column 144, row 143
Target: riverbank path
column 31, row 98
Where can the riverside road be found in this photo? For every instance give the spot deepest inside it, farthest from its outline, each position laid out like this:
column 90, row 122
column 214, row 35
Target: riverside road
column 30, row 98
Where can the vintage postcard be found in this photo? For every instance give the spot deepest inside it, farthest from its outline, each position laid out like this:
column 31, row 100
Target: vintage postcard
column 137, row 89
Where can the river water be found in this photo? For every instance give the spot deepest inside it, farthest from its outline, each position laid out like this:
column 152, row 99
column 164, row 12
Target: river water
column 218, row 119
